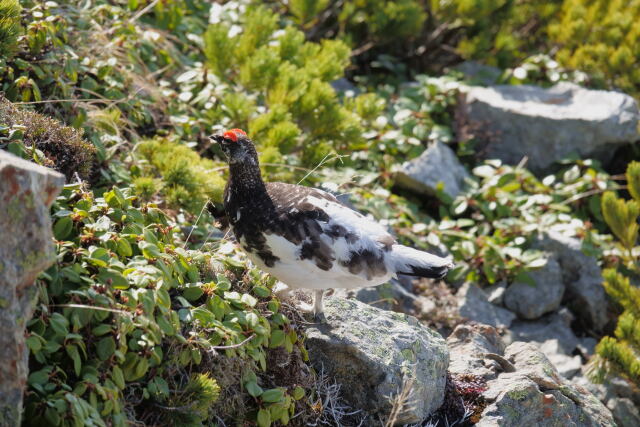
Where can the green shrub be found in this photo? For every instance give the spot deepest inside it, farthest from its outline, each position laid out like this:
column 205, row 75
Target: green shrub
column 498, row 32
column 600, row 38
column 62, row 147
column 130, row 327
column 177, row 174
column 290, row 79
column 620, row 354
column 9, row 27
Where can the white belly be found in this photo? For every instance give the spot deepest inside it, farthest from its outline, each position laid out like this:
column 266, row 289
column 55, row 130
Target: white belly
column 305, row 274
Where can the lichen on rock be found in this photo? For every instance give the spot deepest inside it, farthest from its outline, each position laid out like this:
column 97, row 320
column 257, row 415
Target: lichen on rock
column 26, row 249
column 374, row 354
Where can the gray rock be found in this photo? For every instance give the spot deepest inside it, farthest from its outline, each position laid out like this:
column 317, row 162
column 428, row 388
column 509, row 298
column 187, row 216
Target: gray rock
column 438, row 163
column 587, row 346
column 567, row 366
column 531, row 302
column 547, row 125
column 495, row 293
column 535, row 394
column 625, row 412
column 623, row 388
column 474, row 305
column 523, row 387
column 598, row 390
column 468, row 345
column 26, row 248
column 611, row 388
column 388, row 296
column 374, row 353
column 553, row 326
column 582, row 276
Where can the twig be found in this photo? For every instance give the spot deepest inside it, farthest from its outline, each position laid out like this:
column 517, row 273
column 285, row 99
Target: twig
column 225, row 347
column 589, row 193
column 325, row 159
column 91, row 307
column 196, row 223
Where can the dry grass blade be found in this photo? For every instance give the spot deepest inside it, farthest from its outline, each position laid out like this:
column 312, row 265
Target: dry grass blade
column 401, row 402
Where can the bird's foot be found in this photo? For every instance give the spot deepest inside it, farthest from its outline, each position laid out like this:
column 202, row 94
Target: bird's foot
column 306, row 308
column 316, row 308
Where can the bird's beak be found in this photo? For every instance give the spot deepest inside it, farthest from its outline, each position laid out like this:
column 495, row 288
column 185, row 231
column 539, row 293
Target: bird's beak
column 216, row 138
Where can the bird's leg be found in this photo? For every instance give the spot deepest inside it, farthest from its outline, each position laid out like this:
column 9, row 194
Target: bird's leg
column 317, row 303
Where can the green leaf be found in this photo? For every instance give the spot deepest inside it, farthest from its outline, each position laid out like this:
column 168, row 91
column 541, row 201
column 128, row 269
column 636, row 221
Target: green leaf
column 118, row 377
column 113, row 278
column 264, row 418
column 59, row 324
column 165, row 325
column 141, row 368
column 192, row 293
column 34, row 343
column 253, row 388
column 40, row 377
column 101, row 330
column 249, row 300
column 124, row 248
column 52, row 416
column 105, row 348
column 298, row 393
column 72, row 351
column 149, row 250
column 272, row 396
column 277, row 338
column 223, row 282
column 62, row 228
column 261, row 291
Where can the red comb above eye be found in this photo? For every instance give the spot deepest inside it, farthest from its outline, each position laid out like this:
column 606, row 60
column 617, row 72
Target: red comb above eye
column 233, row 134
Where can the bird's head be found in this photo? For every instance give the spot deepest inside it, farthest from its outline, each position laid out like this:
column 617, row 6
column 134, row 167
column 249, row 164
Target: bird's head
column 236, row 146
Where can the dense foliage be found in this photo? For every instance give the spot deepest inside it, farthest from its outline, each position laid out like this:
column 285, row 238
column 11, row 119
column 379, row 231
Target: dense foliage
column 600, row 38
column 127, row 314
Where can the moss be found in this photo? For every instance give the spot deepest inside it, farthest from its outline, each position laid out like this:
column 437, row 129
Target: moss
column 511, row 412
column 64, row 148
column 518, row 394
column 34, row 259
column 408, row 354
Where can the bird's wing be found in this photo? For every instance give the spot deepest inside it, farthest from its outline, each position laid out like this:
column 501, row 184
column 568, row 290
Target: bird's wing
column 335, row 237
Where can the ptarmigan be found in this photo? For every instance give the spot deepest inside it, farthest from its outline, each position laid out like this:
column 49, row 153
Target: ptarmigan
column 305, row 237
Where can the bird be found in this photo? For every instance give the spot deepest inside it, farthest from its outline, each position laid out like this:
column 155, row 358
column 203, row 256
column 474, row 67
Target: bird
column 305, row 237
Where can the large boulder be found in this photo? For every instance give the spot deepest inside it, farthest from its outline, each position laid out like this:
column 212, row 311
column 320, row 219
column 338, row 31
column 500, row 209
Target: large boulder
column 547, row 125
column 26, row 248
column 530, row 301
column 375, row 354
column 522, row 387
column 582, row 277
column 437, row 164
